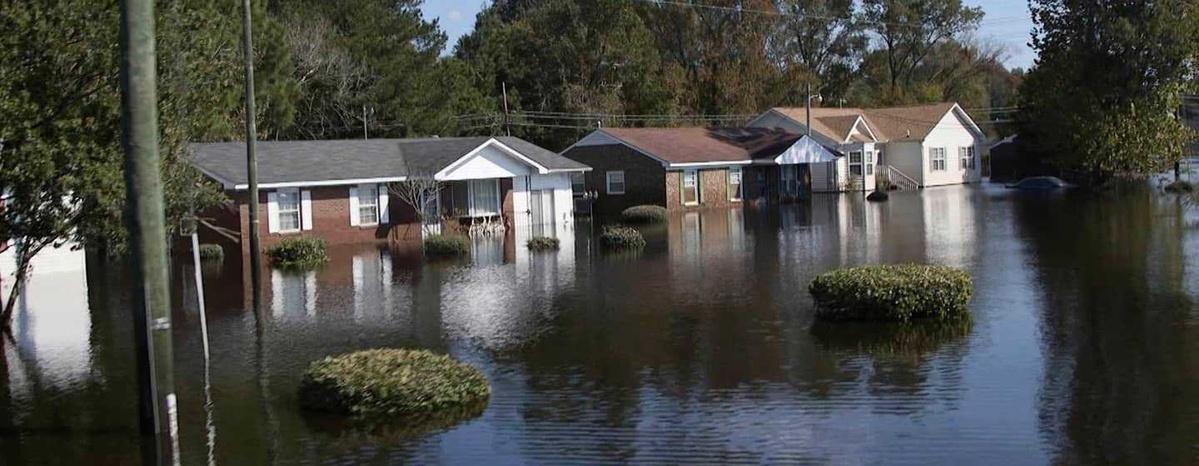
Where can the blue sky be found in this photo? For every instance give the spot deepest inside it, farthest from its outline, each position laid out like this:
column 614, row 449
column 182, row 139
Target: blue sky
column 1006, row 22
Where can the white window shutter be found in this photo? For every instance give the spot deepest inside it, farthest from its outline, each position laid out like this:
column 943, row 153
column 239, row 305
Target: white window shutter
column 272, row 212
column 384, row 196
column 354, row 206
column 305, row 210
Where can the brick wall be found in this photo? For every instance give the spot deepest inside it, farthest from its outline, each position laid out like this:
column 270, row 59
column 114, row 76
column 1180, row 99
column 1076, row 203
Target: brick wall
column 713, row 186
column 644, row 177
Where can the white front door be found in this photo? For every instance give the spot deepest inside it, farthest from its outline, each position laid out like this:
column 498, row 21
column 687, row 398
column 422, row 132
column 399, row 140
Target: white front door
column 541, row 212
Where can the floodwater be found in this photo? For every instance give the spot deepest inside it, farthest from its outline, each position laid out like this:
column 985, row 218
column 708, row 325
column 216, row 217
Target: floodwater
column 1083, row 347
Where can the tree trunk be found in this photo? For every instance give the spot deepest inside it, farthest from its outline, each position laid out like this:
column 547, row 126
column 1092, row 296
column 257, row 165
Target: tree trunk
column 11, row 302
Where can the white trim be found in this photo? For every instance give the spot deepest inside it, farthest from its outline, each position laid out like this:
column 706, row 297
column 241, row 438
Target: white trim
column 305, row 210
column 345, row 182
column 728, row 183
column 709, row 164
column 564, row 170
column 353, row 206
column 272, row 212
column 683, row 187
column 440, row 175
column 862, row 120
column 624, row 186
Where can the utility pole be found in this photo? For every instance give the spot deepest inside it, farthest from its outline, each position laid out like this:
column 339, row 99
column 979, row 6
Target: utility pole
column 807, row 105
column 251, row 156
column 507, row 127
column 364, row 133
column 157, row 420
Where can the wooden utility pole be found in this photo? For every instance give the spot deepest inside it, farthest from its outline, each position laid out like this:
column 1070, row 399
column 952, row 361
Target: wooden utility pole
column 507, row 126
column 251, row 156
column 147, row 226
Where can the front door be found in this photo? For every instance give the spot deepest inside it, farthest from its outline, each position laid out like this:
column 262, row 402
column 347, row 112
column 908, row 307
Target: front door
column 541, row 212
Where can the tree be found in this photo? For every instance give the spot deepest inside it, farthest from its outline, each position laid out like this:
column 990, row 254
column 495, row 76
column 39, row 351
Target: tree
column 418, row 192
column 60, row 160
column 1121, row 121
column 909, row 31
column 817, row 40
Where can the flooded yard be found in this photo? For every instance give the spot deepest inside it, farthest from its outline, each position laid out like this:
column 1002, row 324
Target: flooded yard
column 1083, row 347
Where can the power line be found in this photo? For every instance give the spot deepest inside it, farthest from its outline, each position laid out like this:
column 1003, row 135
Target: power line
column 729, row 9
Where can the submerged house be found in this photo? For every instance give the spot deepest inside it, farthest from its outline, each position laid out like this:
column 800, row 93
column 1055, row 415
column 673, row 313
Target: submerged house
column 913, row 147
column 339, row 190
column 684, row 168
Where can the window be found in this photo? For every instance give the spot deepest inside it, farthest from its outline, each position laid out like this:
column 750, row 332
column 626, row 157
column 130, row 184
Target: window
column 616, row 182
column 855, row 163
column 288, row 210
column 577, row 183
column 368, row 204
column 970, row 157
column 869, row 162
column 790, row 181
column 735, row 184
column 690, row 187
column 963, row 158
column 484, row 198
column 936, row 157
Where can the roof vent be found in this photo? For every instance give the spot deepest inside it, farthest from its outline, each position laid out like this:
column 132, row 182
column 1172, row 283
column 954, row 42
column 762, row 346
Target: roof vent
column 909, row 133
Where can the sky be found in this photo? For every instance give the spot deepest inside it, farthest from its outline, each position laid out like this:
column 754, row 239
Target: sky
column 1006, row 22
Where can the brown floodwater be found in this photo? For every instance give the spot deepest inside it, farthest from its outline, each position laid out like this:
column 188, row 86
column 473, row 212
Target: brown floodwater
column 1083, row 347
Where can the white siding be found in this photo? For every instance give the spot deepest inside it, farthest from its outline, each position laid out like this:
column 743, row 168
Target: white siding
column 951, row 133
column 563, row 198
column 488, row 162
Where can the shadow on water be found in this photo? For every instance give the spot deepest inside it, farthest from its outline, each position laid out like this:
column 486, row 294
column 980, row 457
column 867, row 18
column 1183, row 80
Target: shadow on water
column 700, row 348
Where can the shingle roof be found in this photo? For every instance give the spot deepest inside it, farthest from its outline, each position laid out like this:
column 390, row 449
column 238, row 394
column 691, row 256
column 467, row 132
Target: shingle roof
column 706, row 145
column 324, row 161
column 888, row 124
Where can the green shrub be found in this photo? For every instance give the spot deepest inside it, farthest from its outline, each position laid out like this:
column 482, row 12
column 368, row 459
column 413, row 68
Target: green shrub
column 896, row 293
column 642, row 214
column 211, row 252
column 391, row 382
column 300, row 251
column 447, row 245
column 543, row 243
column 621, row 237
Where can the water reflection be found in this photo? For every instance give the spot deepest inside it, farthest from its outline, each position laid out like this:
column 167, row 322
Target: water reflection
column 700, row 349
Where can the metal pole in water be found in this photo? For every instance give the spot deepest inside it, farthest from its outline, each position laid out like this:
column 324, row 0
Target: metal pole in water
column 143, row 189
column 251, row 155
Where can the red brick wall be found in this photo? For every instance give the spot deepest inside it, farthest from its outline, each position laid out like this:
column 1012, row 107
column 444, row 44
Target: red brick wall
column 713, row 186
column 644, row 177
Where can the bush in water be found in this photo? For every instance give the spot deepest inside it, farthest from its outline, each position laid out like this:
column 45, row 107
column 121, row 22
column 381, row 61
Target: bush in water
column 644, row 214
column 897, row 293
column 391, row 382
column 300, row 251
column 621, row 237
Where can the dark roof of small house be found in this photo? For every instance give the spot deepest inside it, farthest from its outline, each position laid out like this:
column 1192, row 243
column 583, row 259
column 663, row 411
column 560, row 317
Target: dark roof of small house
column 354, row 159
column 706, row 145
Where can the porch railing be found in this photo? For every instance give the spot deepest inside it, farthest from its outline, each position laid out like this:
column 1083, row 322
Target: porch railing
column 892, row 176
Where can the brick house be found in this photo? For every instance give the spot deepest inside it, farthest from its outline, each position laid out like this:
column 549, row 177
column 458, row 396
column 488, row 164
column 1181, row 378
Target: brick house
column 687, row 168
column 339, row 190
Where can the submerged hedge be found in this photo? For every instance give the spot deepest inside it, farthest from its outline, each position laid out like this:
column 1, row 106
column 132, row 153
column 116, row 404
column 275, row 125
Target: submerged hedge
column 391, row 382
column 644, row 214
column 898, row 293
column 543, row 243
column 300, row 251
column 621, row 237
column 447, row 245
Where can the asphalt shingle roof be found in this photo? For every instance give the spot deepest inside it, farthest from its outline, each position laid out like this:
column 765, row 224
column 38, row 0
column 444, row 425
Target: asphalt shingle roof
column 912, row 123
column 699, row 145
column 350, row 159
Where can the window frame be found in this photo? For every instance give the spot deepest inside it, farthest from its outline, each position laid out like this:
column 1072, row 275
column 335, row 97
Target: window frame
column 683, row 187
column 578, row 182
column 608, row 182
column 740, row 193
column 938, row 156
column 293, row 193
column 868, row 162
column 374, row 203
column 963, row 158
column 970, row 157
